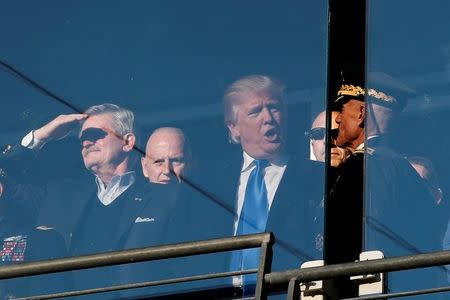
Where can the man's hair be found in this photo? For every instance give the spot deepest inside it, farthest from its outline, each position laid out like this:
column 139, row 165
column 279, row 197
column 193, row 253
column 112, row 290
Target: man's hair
column 122, row 118
column 247, row 86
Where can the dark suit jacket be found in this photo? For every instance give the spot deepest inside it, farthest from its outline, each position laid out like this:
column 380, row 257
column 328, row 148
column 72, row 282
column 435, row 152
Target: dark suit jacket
column 21, row 241
column 60, row 181
column 398, row 211
column 141, row 221
column 67, row 192
column 295, row 216
column 396, row 199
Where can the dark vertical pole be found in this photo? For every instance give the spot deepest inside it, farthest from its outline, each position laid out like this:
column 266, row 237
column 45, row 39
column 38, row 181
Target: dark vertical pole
column 346, row 63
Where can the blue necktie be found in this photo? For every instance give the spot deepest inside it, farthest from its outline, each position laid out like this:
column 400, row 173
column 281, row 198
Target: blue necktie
column 253, row 218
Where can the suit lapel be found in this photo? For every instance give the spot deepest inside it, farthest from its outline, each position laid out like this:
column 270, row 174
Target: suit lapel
column 135, row 200
column 276, row 212
column 80, row 208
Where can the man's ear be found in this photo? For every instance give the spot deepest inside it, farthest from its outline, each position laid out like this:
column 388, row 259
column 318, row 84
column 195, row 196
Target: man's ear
column 144, row 163
column 130, row 141
column 234, row 130
column 362, row 115
column 1, row 189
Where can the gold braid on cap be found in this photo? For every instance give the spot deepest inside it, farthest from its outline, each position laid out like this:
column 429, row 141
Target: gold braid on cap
column 351, row 90
column 381, row 96
column 357, row 91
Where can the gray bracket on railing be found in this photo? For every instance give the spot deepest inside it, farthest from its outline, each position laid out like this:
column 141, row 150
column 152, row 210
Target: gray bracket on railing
column 311, row 290
column 370, row 284
column 265, row 263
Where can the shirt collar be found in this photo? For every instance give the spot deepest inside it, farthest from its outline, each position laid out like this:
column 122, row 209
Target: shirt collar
column 372, row 136
column 119, row 180
column 360, row 147
column 248, row 161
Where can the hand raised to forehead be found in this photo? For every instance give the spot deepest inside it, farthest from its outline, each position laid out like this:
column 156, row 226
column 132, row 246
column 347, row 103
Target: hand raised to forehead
column 59, row 127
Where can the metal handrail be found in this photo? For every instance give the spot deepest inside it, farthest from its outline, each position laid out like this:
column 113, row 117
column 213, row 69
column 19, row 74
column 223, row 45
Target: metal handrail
column 262, row 240
column 359, row 268
column 137, row 285
column 271, row 280
column 135, row 255
column 294, row 277
column 401, row 294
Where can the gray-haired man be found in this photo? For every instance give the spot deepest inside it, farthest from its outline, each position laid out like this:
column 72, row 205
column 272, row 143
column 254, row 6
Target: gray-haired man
column 113, row 213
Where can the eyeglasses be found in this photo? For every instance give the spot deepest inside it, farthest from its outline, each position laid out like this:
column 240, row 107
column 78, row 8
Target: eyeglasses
column 92, row 134
column 317, row 133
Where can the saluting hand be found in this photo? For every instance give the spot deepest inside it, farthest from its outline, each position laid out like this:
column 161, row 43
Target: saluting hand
column 59, row 127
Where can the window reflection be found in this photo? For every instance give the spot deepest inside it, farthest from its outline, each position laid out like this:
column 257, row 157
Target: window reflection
column 163, row 70
column 418, row 132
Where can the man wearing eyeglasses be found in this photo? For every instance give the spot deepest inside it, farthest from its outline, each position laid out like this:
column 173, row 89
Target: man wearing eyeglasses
column 114, row 210
column 317, row 138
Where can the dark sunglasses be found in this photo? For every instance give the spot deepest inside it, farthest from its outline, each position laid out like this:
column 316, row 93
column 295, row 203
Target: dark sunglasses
column 92, row 134
column 317, row 133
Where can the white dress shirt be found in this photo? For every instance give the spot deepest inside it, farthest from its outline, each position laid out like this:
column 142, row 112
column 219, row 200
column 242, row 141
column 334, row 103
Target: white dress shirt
column 30, row 142
column 272, row 177
column 118, row 184
column 273, row 173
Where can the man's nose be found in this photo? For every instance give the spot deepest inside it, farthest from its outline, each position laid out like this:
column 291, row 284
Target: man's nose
column 267, row 115
column 338, row 118
column 86, row 143
column 166, row 168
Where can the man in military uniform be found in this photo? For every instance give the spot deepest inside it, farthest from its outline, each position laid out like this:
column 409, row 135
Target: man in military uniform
column 376, row 183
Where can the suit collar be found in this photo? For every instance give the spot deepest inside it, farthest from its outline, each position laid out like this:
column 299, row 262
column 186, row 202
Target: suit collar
column 136, row 199
column 119, row 184
column 247, row 161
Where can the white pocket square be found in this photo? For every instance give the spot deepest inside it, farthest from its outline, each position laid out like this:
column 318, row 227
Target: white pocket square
column 142, row 220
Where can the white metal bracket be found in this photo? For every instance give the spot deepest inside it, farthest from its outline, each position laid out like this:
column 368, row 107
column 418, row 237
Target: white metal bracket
column 312, row 290
column 371, row 283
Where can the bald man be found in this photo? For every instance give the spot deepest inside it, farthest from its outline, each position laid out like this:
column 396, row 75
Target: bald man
column 167, row 154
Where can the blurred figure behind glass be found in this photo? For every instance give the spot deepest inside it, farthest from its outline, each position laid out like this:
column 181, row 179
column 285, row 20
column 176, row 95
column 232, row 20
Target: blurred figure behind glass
column 21, row 239
column 426, row 170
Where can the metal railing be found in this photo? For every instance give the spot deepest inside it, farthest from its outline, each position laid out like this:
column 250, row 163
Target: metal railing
column 296, row 276
column 286, row 280
column 262, row 240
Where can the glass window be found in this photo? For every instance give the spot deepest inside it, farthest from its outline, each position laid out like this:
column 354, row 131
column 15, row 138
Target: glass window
column 406, row 144
column 91, row 179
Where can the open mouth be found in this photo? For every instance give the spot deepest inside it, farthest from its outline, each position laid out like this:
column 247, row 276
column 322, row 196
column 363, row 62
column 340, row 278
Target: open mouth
column 272, row 135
